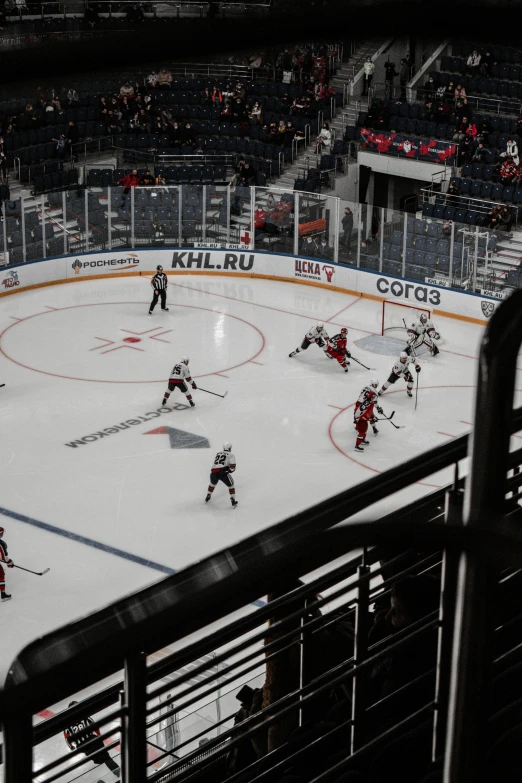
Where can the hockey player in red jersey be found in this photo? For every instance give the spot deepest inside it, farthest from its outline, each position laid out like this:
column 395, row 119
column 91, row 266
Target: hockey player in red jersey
column 5, row 562
column 336, row 348
column 363, row 414
column 365, row 392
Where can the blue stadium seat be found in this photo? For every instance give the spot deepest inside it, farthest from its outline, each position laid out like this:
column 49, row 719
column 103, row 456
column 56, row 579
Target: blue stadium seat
column 442, row 247
column 419, row 257
column 449, row 213
column 419, row 227
column 443, row 264
column 457, row 249
column 466, row 170
column 496, row 192
column 477, row 170
column 431, row 245
column 488, row 172
column 433, row 230
column 395, row 253
column 487, row 187
column 476, row 187
column 438, row 212
column 459, row 215
column 431, row 259
column 420, row 243
column 427, row 210
column 507, row 194
column 397, row 238
column 465, row 186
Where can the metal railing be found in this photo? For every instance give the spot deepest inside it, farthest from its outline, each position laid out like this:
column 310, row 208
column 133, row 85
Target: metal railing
column 449, row 636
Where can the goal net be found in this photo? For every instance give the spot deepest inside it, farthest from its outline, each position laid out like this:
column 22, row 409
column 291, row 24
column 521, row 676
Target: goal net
column 395, row 314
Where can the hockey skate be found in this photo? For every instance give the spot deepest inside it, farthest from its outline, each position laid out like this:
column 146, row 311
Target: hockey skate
column 365, row 442
column 5, row 596
column 208, row 497
column 234, row 503
column 375, row 431
column 192, row 404
column 409, row 393
column 435, row 351
column 164, row 402
column 358, row 448
column 292, row 354
column 165, row 309
column 345, row 369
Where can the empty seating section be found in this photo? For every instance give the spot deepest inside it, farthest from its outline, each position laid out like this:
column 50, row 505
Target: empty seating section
column 31, row 130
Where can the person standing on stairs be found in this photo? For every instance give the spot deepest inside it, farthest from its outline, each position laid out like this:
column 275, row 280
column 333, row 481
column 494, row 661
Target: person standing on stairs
column 369, row 69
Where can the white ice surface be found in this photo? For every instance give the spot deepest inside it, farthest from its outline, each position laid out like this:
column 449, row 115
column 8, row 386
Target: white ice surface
column 286, row 418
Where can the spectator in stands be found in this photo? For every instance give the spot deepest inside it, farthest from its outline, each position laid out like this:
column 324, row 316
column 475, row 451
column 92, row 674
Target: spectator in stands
column 404, row 77
column 511, row 151
column 164, row 79
column 61, row 146
column 290, row 134
column 493, row 216
column 238, row 111
column 481, row 154
column 450, row 91
column 151, row 80
column 460, row 94
column 324, row 250
column 126, row 90
column 175, row 134
column 452, row 195
column 324, row 140
column 473, row 63
column 440, row 93
column 158, row 232
column 228, row 92
column 187, row 135
column 505, row 218
column 461, row 130
column 369, row 69
column 239, row 91
column 226, row 112
column 466, row 148
column 147, row 180
column 256, row 114
column 508, row 172
column 442, row 111
column 247, row 175
column 91, row 16
column 216, row 97
column 446, row 228
column 429, row 110
column 308, row 246
column 347, row 224
column 430, row 86
column 111, row 124
column 135, row 14
column 486, row 62
column 160, row 180
column 389, row 75
column 462, row 111
column 131, row 180
column 73, row 135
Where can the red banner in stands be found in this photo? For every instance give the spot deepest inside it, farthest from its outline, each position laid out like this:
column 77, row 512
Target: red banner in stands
column 388, row 143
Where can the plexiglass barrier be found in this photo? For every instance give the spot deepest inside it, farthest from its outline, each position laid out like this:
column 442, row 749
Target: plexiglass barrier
column 309, row 225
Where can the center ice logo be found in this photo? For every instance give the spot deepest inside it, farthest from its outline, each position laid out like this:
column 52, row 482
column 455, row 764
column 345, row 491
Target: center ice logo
column 11, row 280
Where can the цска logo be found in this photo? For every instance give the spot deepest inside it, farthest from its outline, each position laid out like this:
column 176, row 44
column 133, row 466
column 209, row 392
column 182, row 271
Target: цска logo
column 311, row 270
column 11, row 279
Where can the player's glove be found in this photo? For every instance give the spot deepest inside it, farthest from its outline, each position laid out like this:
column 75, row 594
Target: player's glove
column 417, row 368
column 10, row 564
column 436, row 336
column 380, row 410
column 194, row 385
column 348, row 355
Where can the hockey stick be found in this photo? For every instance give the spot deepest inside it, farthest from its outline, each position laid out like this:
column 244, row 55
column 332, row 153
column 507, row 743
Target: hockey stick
column 2, row 384
column 362, row 365
column 417, row 391
column 214, row 393
column 37, row 573
column 389, row 418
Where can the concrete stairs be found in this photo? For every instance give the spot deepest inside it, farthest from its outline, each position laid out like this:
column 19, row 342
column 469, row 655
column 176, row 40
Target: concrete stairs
column 345, row 116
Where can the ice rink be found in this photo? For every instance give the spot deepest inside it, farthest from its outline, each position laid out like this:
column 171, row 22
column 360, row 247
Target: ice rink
column 106, row 490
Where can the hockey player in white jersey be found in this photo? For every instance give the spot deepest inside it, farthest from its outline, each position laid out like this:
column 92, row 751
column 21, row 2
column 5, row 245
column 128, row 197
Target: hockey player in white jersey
column 178, row 379
column 317, row 334
column 422, row 333
column 224, row 464
column 401, row 368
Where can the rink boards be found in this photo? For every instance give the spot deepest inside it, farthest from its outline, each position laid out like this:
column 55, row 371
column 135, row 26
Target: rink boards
column 467, row 306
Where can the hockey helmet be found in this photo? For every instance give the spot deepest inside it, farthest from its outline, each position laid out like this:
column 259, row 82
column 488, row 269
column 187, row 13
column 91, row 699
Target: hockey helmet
column 1, row 532
column 184, row 360
column 344, row 330
column 403, row 355
column 227, row 446
column 159, row 268
column 423, row 318
column 320, row 326
column 374, row 382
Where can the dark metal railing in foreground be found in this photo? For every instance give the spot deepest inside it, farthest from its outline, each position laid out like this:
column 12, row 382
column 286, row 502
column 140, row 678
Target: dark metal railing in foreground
column 478, row 547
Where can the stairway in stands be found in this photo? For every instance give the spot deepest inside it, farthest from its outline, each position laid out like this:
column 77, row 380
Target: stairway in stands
column 345, row 116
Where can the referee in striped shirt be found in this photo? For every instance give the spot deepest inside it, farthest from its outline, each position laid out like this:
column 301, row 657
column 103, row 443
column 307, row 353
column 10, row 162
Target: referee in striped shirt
column 159, row 283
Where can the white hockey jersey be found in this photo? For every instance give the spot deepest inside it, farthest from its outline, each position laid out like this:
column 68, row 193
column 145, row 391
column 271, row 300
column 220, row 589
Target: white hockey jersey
column 367, row 391
column 417, row 329
column 400, row 368
column 223, row 460
column 180, row 372
column 313, row 335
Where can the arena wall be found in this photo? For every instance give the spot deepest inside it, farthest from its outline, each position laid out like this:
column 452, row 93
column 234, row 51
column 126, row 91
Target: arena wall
column 467, row 306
